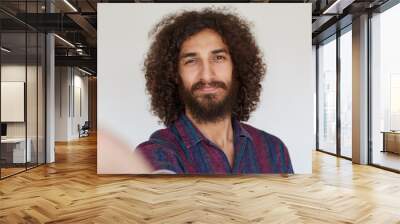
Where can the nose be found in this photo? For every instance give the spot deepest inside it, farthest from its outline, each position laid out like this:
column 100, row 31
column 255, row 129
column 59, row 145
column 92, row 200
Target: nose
column 207, row 72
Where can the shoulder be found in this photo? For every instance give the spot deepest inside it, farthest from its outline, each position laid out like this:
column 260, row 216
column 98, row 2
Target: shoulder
column 260, row 135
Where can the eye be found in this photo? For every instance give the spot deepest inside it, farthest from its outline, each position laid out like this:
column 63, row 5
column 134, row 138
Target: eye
column 220, row 58
column 189, row 61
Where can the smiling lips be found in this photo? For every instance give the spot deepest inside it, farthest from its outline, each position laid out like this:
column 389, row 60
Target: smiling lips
column 208, row 89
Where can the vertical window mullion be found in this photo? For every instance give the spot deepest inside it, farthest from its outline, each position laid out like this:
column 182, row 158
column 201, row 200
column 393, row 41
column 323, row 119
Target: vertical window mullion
column 317, row 95
column 369, row 90
column 26, row 86
column 338, row 91
column 37, row 89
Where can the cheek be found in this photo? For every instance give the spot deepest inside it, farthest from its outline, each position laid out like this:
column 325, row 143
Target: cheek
column 189, row 75
column 189, row 72
column 186, row 80
column 224, row 71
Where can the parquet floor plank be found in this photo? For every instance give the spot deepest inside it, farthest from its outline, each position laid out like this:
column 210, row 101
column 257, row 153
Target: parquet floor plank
column 70, row 191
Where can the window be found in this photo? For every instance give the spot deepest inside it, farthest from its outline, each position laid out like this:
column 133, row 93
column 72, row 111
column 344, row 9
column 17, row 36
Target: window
column 327, row 96
column 385, row 88
column 346, row 93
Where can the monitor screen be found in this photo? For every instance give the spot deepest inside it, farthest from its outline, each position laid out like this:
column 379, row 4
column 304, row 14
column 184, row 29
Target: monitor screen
column 3, row 129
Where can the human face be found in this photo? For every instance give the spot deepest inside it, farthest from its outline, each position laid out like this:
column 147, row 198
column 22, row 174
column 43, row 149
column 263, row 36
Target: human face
column 205, row 70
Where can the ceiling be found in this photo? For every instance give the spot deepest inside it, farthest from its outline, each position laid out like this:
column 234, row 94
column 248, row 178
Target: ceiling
column 76, row 22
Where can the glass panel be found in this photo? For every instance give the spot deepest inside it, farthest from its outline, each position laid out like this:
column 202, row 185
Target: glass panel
column 31, row 100
column 386, row 89
column 13, row 90
column 31, row 85
column 327, row 96
column 23, row 89
column 41, row 99
column 346, row 94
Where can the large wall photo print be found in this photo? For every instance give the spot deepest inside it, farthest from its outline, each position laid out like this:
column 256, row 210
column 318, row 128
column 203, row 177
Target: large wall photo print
column 205, row 89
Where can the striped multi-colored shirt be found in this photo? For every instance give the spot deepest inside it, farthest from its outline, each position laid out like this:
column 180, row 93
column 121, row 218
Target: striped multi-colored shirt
column 182, row 148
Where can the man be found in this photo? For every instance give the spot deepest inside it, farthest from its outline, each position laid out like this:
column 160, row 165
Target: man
column 203, row 73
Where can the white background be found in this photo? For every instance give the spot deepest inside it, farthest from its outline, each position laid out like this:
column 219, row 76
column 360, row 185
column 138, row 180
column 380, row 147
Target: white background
column 283, row 32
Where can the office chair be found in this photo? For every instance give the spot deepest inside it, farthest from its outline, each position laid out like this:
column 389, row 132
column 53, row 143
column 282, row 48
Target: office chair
column 84, row 130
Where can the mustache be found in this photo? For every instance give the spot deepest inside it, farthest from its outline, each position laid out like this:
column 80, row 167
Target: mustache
column 202, row 84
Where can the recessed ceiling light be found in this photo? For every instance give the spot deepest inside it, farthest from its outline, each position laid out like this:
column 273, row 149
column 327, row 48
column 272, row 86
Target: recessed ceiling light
column 70, row 5
column 84, row 71
column 64, row 40
column 337, row 7
column 5, row 50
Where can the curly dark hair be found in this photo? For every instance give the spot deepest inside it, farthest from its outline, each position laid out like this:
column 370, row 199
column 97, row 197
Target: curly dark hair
column 161, row 63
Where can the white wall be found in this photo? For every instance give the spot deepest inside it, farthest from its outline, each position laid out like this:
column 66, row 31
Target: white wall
column 80, row 102
column 314, row 74
column 61, row 103
column 68, row 82
column 286, row 109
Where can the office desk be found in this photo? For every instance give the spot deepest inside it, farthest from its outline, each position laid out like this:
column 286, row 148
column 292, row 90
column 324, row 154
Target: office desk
column 15, row 148
column 391, row 141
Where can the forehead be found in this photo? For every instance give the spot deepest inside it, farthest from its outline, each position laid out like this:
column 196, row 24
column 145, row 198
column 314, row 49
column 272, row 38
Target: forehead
column 205, row 40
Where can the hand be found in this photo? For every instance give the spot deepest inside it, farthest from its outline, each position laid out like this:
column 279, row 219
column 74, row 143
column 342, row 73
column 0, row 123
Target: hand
column 114, row 156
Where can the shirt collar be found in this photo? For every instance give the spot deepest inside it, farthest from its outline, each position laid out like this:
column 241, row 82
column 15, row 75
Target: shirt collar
column 191, row 135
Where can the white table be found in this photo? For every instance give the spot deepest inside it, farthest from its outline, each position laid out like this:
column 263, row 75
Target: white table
column 19, row 155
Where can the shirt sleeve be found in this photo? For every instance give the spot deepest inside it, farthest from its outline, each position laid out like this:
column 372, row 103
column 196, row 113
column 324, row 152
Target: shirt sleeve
column 162, row 159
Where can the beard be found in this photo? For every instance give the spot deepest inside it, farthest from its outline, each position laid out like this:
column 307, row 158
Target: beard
column 207, row 108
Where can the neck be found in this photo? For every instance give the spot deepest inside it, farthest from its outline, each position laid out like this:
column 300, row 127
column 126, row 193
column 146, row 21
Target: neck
column 219, row 132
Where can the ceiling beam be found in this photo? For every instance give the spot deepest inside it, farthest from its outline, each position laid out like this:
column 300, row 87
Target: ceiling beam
column 84, row 61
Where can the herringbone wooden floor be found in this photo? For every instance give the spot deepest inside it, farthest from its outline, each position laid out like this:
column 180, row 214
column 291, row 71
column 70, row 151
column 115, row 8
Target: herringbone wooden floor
column 70, row 191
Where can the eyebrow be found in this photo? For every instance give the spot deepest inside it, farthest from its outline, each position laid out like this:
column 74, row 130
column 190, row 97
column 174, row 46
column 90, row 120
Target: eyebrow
column 187, row 55
column 222, row 50
column 192, row 54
